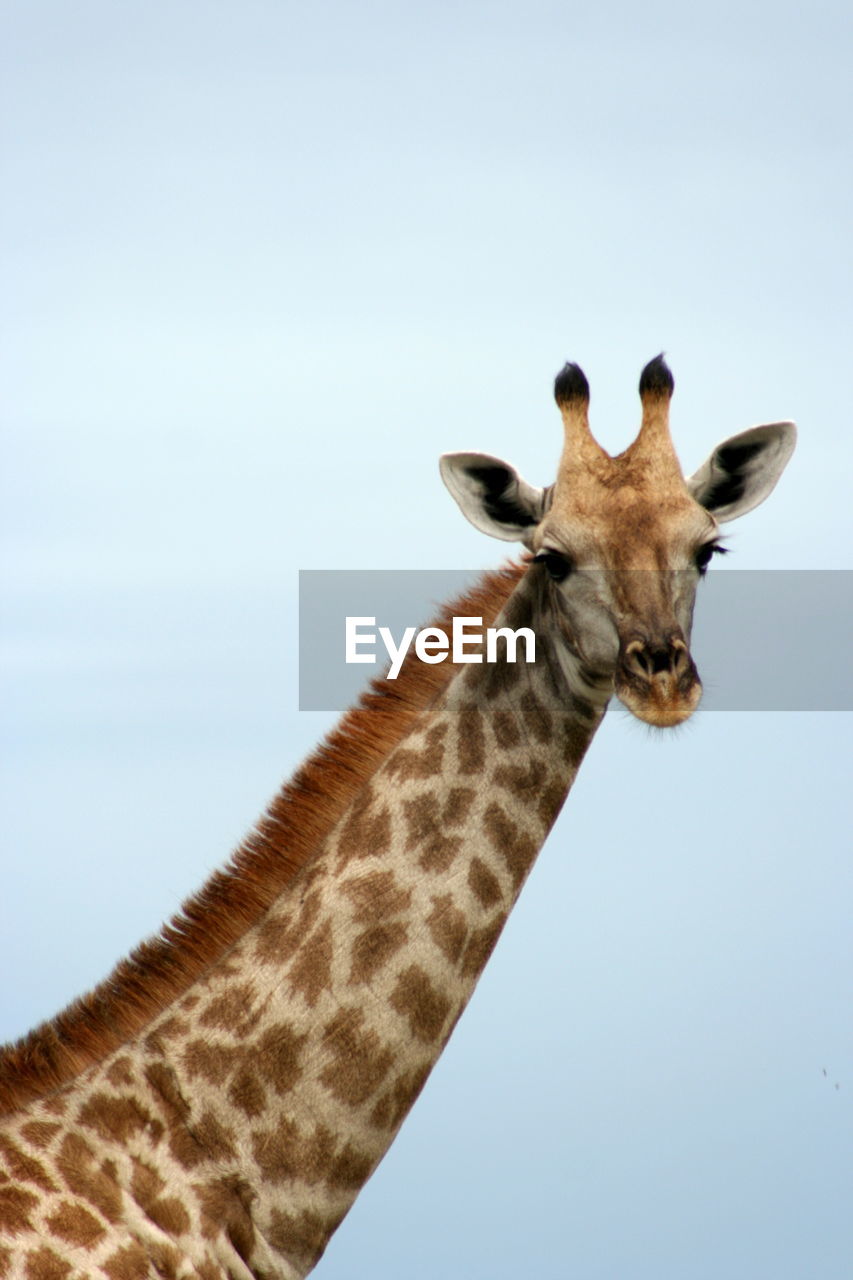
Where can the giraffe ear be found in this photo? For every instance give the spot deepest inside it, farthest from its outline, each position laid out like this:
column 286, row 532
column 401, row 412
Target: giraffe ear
column 743, row 470
column 493, row 496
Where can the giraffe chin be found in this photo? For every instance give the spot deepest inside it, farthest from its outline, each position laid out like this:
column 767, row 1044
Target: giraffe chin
column 662, row 701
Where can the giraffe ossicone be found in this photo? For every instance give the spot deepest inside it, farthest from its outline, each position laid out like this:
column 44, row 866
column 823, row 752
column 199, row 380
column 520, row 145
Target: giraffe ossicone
column 213, row 1109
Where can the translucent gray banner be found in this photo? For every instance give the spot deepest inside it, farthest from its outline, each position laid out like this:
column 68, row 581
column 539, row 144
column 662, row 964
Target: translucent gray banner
column 769, row 640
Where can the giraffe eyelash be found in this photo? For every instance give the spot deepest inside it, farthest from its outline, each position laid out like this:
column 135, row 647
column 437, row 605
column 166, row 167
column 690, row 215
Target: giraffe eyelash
column 705, row 554
column 557, row 565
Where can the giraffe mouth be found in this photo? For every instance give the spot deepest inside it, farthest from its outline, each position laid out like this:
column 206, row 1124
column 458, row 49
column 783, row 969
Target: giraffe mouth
column 659, row 684
column 659, row 705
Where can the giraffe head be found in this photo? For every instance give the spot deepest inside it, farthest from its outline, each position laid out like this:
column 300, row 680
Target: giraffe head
column 621, row 542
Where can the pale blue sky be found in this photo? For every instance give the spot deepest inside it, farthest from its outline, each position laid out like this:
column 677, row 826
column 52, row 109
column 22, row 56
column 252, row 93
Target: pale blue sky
column 262, row 263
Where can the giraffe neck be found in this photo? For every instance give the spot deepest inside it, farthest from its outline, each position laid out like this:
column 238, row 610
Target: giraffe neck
column 260, row 1102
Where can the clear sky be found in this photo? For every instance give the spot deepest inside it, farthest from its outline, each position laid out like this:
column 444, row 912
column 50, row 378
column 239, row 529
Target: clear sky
column 261, row 264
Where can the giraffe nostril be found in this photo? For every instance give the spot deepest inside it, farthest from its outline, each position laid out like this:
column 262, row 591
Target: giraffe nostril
column 636, row 658
column 660, row 660
column 650, row 660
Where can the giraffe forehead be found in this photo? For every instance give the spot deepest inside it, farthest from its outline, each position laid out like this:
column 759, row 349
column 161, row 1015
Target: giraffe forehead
column 597, row 478
column 621, row 509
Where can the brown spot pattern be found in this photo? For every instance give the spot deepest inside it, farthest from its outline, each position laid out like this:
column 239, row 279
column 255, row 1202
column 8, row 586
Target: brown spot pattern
column 424, row 830
column 536, row 717
column 276, row 1057
column 113, row 1117
column 213, row 1062
column 311, row 971
column 457, row 805
column 350, row 1169
column 74, row 1223
column 232, row 1011
column 77, row 1166
column 576, row 738
column 484, row 883
column 394, row 1105
column 169, row 1215
column 25, row 1167
column 491, row 682
column 421, row 815
column 44, row 1264
column 517, row 849
column 129, row 1263
column 376, row 894
column 284, row 1153
column 279, row 935
column 359, row 1061
column 40, row 1133
column 366, row 830
column 301, row 1237
column 423, row 1006
column 16, row 1205
column 551, row 801
column 164, row 1082
column 187, row 1148
column 226, row 1207
column 480, row 946
column 374, row 947
column 145, row 1184
column 166, row 1260
column 471, row 741
column 183, row 1144
column 439, row 852
column 166, row 1212
column 208, row 1270
column 170, row 1029
column 120, row 1072
column 408, row 763
column 215, row 1138
column 448, row 927
column 522, row 780
column 247, row 1093
column 507, row 732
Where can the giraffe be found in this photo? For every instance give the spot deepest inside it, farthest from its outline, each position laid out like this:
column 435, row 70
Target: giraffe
column 213, row 1109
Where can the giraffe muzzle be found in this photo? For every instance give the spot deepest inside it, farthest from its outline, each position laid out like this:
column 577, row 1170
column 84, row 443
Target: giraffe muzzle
column 657, row 680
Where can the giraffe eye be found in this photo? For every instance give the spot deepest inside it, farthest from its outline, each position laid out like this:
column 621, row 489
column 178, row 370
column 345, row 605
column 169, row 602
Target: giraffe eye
column 704, row 555
column 557, row 566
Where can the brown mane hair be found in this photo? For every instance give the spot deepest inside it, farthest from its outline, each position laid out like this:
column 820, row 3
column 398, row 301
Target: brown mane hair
column 305, row 810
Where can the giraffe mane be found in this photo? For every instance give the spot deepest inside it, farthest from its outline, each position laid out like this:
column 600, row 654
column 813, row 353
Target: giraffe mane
column 300, row 816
